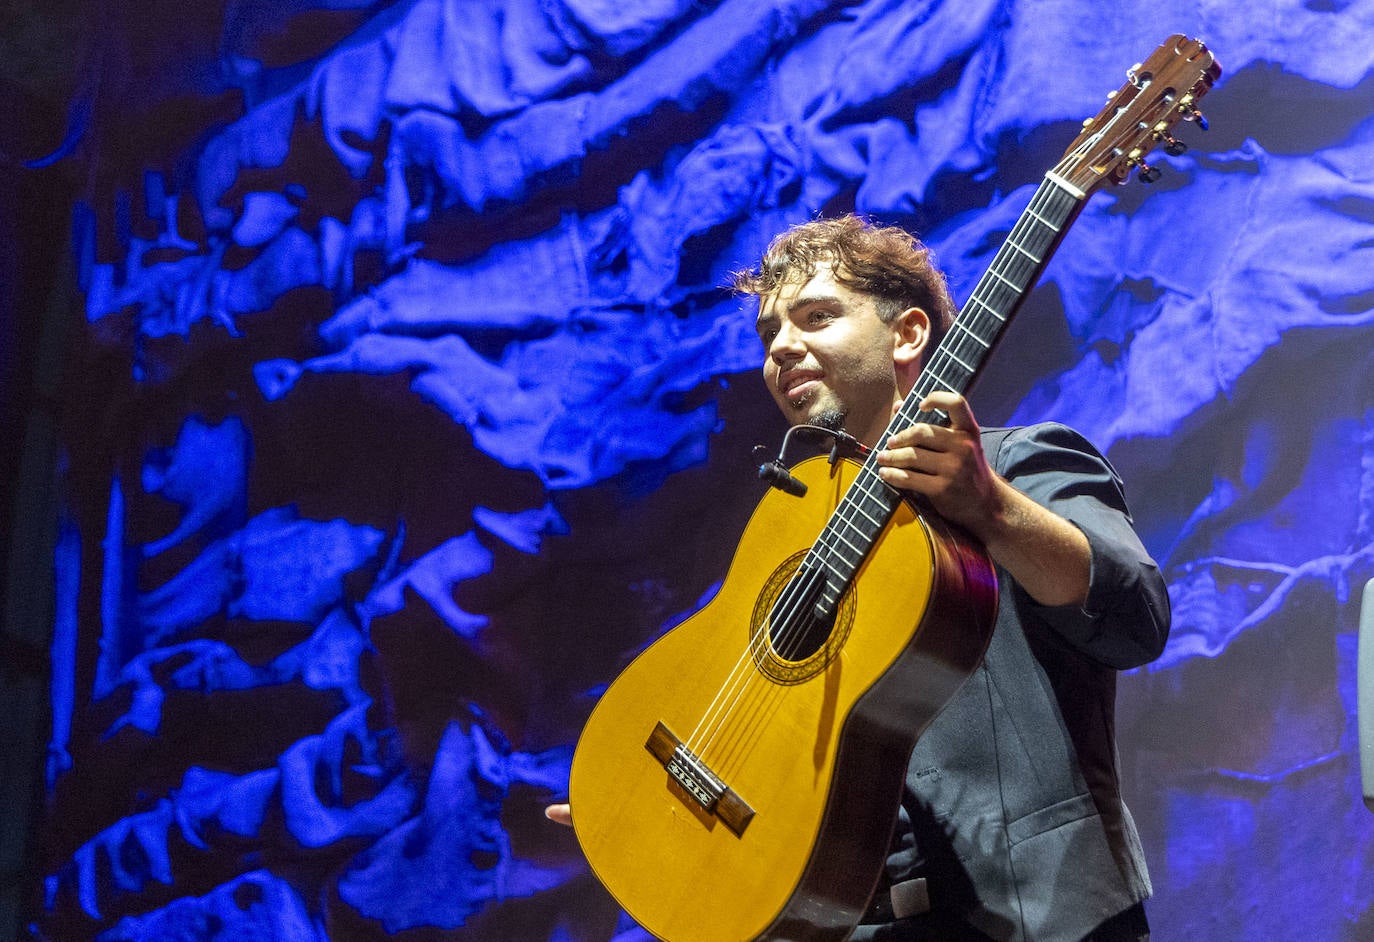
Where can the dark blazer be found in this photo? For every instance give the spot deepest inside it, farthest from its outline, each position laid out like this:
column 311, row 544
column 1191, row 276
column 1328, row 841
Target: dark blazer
column 1012, row 808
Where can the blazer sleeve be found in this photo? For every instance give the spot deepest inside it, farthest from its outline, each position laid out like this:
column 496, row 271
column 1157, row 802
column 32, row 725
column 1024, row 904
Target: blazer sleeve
column 1125, row 622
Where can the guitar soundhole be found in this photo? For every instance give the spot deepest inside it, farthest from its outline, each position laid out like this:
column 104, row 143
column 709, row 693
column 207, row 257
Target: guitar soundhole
column 799, row 637
column 796, row 627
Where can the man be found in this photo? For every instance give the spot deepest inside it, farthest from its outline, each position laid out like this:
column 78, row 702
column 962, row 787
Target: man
column 1011, row 825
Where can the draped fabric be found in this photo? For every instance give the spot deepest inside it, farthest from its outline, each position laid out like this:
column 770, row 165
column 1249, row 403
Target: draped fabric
column 409, row 404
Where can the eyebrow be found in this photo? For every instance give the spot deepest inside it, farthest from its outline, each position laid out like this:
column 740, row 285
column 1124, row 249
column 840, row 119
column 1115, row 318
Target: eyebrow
column 811, row 300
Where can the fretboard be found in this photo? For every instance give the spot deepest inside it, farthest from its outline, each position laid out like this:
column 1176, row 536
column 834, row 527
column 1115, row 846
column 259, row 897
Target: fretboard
column 869, row 503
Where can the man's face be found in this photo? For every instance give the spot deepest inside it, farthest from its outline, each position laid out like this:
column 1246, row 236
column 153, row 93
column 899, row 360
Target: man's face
column 829, row 355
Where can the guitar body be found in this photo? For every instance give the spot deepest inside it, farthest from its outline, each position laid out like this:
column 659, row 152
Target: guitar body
column 812, row 749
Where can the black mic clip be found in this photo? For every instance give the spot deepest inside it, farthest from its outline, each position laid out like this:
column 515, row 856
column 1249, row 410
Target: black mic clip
column 775, row 472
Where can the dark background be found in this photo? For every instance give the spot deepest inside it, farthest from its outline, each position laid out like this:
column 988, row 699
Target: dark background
column 372, row 396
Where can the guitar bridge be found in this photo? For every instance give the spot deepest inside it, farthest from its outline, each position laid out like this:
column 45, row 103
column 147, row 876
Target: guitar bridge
column 695, row 778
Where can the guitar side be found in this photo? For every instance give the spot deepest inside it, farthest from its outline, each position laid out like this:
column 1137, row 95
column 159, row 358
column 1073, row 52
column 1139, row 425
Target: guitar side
column 812, row 752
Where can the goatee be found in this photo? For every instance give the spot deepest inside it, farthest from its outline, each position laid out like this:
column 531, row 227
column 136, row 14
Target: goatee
column 832, row 419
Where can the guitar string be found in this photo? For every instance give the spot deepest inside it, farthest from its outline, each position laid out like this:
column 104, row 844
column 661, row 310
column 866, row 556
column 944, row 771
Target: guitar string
column 1065, row 200
column 795, row 623
column 1010, row 273
column 792, row 618
column 1056, row 193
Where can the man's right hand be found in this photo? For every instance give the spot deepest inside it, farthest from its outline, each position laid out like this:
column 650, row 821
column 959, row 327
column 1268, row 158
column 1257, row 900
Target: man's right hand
column 562, row 814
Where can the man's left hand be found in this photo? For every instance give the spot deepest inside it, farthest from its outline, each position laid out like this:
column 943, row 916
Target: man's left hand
column 945, row 465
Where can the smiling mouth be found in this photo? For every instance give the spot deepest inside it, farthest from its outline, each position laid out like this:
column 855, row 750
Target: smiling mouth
column 798, row 391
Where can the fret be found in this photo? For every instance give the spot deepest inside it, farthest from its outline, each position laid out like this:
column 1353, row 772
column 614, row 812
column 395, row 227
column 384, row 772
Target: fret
column 817, row 564
column 877, row 523
column 1042, row 220
column 859, row 536
column 829, row 597
column 856, row 504
column 1034, row 259
column 1011, row 284
column 963, row 327
column 952, row 356
column 985, row 307
column 859, row 549
column 874, row 493
column 794, row 592
column 838, row 543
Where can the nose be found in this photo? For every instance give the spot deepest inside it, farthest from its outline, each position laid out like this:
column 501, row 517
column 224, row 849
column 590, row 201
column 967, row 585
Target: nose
column 786, row 344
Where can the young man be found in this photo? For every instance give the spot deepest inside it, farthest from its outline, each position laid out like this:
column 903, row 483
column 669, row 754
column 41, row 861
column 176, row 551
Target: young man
column 1011, row 825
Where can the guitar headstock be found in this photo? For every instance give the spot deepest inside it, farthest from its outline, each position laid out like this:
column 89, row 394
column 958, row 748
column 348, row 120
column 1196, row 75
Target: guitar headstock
column 1159, row 93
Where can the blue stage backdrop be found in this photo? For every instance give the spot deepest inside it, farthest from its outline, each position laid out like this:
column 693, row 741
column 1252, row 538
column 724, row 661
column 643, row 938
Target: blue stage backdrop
column 409, row 405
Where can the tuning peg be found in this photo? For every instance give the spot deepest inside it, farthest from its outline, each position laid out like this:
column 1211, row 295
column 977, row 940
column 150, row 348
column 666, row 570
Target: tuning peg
column 1187, row 106
column 1173, row 146
column 1149, row 174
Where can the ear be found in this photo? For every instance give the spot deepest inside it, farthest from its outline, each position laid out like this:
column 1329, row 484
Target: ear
column 910, row 333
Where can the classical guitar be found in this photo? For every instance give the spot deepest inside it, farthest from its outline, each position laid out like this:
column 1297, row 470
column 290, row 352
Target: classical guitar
column 740, row 778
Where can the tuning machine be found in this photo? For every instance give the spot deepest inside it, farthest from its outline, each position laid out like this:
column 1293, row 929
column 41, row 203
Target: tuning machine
column 1135, row 160
column 1172, row 145
column 1187, row 107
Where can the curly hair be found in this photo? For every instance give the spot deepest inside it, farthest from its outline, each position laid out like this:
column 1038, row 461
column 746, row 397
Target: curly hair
column 885, row 262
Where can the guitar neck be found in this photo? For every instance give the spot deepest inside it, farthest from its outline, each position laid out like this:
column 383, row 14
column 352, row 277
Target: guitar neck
column 964, row 350
column 869, row 503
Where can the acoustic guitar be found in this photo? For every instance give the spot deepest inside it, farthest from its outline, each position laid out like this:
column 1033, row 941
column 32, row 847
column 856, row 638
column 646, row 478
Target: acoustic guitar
column 740, row 778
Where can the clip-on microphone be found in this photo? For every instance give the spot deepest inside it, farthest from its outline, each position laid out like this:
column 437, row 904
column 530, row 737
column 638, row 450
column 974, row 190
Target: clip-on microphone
column 776, row 473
